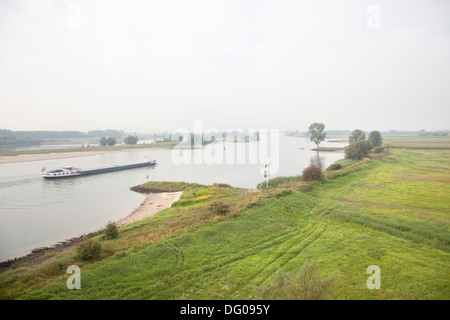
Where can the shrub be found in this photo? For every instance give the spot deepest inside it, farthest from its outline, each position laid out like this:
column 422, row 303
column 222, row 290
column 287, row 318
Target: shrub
column 312, row 173
column 218, row 207
column 334, row 166
column 222, row 185
column 111, row 231
column 358, row 150
column 379, row 149
column 88, row 250
column 307, row 284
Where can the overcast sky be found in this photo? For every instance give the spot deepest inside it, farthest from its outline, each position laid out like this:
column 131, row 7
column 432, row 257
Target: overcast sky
column 160, row 65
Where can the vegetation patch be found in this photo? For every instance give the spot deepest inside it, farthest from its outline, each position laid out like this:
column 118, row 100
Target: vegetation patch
column 312, row 173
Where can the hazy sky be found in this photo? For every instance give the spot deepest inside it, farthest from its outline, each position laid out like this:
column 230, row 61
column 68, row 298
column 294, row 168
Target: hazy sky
column 161, row 65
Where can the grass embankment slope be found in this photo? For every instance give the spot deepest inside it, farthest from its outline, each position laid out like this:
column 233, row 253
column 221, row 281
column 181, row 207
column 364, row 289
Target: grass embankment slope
column 385, row 212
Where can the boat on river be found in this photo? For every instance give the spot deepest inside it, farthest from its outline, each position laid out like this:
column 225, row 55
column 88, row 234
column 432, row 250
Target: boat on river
column 69, row 171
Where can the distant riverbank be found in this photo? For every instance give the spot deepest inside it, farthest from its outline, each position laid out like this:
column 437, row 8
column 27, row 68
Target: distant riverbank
column 50, row 154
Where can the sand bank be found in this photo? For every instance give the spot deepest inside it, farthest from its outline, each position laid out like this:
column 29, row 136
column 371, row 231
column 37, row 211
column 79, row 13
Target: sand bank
column 48, row 156
column 152, row 204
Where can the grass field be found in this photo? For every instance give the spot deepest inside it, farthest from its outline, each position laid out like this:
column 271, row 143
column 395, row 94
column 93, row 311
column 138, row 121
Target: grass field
column 417, row 142
column 385, row 212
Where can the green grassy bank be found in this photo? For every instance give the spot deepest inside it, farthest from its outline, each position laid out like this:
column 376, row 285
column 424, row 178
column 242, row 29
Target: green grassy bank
column 392, row 212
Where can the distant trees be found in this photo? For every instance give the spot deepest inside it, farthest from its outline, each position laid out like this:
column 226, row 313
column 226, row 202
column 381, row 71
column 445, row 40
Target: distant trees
column 358, row 150
column 103, row 141
column 356, row 135
column 317, row 134
column 110, row 141
column 130, row 139
column 375, row 138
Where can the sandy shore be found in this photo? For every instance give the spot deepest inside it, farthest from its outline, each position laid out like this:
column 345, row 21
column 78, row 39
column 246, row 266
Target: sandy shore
column 48, row 156
column 152, row 204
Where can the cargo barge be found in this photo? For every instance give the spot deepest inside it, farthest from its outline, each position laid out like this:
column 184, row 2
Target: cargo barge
column 68, row 172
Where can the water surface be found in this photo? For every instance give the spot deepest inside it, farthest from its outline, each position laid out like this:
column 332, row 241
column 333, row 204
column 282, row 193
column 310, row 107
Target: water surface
column 35, row 212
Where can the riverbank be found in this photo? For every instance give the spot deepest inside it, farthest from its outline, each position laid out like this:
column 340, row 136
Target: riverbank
column 47, row 156
column 50, row 154
column 151, row 205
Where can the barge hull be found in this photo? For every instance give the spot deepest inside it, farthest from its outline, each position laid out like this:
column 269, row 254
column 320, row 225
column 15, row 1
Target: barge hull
column 117, row 168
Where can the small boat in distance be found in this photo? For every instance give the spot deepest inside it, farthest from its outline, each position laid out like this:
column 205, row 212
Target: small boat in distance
column 69, row 171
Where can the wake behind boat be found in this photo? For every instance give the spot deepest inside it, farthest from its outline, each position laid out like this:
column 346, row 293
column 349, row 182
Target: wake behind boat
column 69, row 171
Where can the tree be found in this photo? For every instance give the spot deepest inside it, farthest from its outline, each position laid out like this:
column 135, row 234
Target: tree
column 111, row 141
column 103, row 141
column 130, row 139
column 358, row 150
column 356, row 135
column 375, row 138
column 316, row 133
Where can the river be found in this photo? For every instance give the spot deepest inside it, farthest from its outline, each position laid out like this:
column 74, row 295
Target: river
column 35, row 212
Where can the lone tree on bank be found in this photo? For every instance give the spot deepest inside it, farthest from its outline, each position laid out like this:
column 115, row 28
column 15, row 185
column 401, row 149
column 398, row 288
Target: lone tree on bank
column 375, row 138
column 356, row 135
column 316, row 133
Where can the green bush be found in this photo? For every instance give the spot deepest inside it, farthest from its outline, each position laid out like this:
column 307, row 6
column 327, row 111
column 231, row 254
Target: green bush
column 379, row 149
column 312, row 173
column 222, row 185
column 88, row 250
column 111, row 231
column 307, row 284
column 334, row 166
column 358, row 150
column 218, row 207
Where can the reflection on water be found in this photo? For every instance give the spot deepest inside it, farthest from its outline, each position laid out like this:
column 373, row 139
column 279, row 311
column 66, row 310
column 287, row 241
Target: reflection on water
column 35, row 212
column 318, row 161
